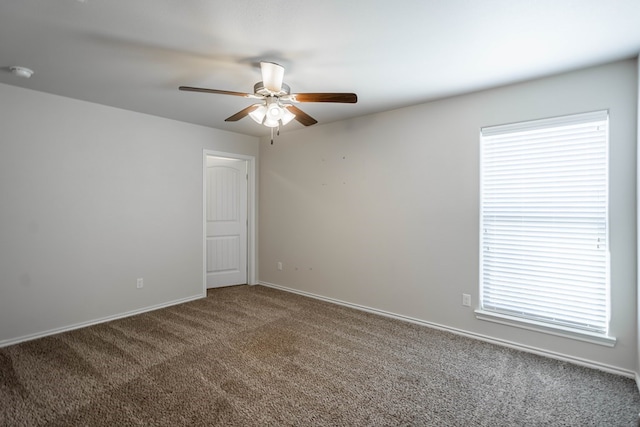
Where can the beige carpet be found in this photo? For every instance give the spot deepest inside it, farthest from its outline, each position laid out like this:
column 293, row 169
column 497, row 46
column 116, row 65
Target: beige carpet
column 249, row 356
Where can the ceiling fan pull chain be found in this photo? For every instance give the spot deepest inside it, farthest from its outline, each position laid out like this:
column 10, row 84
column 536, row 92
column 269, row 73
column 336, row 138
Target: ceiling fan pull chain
column 271, row 136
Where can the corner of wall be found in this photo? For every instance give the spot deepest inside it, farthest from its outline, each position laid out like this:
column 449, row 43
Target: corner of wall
column 638, row 228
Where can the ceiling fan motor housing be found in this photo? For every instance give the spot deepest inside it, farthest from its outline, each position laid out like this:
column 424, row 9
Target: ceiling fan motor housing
column 260, row 89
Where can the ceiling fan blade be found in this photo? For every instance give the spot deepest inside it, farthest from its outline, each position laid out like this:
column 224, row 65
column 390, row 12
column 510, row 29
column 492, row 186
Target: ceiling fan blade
column 346, row 98
column 242, row 113
column 301, row 116
column 221, row 92
column 272, row 76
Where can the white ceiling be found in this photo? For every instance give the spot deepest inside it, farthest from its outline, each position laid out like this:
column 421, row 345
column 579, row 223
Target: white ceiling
column 133, row 54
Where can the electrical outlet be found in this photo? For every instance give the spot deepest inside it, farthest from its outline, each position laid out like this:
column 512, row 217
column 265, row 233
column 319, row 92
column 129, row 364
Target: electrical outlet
column 466, row 300
column 279, row 266
column 139, row 283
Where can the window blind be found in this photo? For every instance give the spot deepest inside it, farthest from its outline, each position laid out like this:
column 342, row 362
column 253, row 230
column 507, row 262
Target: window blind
column 544, row 221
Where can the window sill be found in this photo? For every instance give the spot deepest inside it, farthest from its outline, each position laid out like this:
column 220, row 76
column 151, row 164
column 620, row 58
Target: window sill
column 532, row 325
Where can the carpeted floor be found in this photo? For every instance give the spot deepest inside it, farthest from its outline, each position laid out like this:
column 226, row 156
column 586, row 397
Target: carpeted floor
column 255, row 356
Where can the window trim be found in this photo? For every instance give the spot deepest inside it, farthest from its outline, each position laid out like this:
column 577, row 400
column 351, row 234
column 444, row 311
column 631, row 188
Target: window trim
column 557, row 330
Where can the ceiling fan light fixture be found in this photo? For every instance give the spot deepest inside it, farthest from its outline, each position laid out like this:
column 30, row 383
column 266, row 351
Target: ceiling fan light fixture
column 274, row 112
column 258, row 114
column 287, row 116
column 271, row 123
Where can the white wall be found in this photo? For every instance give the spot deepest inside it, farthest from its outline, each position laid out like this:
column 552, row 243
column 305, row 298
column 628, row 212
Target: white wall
column 92, row 198
column 382, row 211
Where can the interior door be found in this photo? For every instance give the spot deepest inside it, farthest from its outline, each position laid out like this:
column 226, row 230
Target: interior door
column 226, row 222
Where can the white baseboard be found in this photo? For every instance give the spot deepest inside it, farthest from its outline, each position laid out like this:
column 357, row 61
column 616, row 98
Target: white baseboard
column 12, row 341
column 505, row 343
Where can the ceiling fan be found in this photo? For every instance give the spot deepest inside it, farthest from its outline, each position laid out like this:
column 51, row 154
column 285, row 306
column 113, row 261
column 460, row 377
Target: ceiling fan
column 275, row 107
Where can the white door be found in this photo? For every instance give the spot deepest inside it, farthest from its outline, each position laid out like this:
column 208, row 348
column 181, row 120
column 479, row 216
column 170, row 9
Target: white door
column 226, row 199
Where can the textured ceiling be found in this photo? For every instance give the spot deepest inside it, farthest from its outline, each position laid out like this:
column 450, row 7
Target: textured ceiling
column 133, row 54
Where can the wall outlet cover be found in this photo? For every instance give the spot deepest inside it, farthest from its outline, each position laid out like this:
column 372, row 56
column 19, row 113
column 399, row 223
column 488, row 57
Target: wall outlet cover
column 466, row 300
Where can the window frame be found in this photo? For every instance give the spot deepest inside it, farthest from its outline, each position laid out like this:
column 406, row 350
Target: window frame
column 525, row 322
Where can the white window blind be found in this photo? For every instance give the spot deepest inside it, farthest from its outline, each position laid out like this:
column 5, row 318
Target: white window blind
column 544, row 220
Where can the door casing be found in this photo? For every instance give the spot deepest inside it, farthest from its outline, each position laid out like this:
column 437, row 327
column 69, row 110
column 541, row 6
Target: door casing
column 251, row 213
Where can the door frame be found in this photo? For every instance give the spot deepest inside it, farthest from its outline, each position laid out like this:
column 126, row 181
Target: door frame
column 251, row 213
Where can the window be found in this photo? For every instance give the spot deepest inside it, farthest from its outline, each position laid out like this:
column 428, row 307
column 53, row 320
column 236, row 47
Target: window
column 544, row 258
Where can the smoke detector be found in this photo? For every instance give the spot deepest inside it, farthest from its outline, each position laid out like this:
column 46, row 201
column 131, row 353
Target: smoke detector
column 21, row 71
